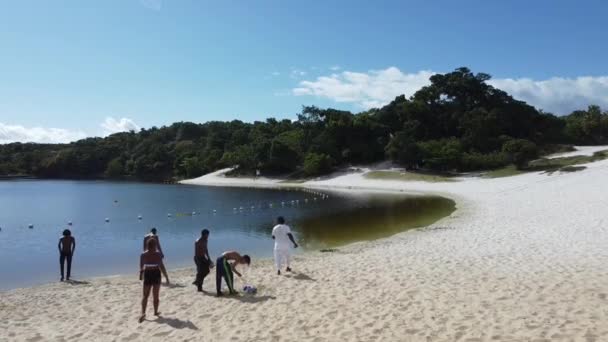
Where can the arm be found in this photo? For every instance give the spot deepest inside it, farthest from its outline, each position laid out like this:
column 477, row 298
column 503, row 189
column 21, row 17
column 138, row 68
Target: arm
column 141, row 266
column 73, row 246
column 164, row 271
column 235, row 271
column 295, row 245
column 160, row 249
column 59, row 246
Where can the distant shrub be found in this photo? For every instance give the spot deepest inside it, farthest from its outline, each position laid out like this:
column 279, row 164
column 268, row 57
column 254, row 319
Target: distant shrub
column 316, row 164
column 478, row 161
column 520, row 151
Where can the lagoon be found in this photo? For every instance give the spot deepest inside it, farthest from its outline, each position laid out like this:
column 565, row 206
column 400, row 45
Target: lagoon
column 238, row 218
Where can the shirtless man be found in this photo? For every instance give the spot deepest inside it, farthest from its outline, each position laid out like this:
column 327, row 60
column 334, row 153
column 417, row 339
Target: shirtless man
column 152, row 235
column 202, row 259
column 225, row 266
column 150, row 268
column 66, row 246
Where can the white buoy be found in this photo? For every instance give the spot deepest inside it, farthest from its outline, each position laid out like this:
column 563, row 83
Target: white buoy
column 69, row 223
column 214, row 211
column 30, row 226
column 139, row 217
column 193, row 213
column 283, row 204
column 107, row 220
column 168, row 215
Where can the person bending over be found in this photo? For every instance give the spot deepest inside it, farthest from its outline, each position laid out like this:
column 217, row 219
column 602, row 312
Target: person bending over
column 150, row 268
column 281, row 234
column 67, row 246
column 201, row 259
column 225, row 266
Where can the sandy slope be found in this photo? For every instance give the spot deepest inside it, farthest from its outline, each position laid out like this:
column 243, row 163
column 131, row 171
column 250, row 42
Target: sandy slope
column 524, row 258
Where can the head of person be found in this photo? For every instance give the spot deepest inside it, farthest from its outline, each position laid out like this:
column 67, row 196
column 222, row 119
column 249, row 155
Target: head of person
column 151, row 245
column 153, row 231
column 280, row 220
column 67, row 232
column 205, row 233
column 245, row 259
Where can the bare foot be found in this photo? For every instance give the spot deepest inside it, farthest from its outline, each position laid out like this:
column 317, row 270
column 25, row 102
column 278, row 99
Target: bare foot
column 157, row 313
column 142, row 318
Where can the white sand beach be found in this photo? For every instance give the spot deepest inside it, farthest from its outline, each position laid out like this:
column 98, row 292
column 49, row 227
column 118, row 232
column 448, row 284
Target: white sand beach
column 523, row 258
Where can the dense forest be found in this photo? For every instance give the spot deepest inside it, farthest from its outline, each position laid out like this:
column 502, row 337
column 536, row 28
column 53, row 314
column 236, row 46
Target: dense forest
column 457, row 123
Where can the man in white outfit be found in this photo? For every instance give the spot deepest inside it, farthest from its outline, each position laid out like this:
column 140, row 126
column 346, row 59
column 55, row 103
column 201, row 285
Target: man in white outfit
column 281, row 233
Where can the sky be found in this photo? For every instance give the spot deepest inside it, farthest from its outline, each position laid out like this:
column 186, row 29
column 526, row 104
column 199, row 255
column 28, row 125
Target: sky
column 71, row 69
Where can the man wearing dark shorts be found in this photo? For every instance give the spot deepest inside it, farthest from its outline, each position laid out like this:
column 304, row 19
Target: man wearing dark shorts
column 201, row 259
column 225, row 267
column 67, row 246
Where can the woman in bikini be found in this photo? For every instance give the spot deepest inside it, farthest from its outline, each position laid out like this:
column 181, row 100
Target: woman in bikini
column 150, row 268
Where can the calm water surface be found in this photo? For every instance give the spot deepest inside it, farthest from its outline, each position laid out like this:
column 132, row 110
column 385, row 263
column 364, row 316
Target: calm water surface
column 239, row 219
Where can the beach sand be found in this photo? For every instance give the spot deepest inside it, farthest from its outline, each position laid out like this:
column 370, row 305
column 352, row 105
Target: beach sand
column 523, row 258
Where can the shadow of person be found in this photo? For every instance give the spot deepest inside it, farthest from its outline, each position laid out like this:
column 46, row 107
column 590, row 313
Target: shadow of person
column 301, row 276
column 77, row 282
column 174, row 285
column 252, row 298
column 176, row 323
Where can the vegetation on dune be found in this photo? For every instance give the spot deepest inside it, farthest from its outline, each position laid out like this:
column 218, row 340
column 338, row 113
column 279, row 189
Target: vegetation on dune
column 549, row 165
column 457, row 123
column 408, row 176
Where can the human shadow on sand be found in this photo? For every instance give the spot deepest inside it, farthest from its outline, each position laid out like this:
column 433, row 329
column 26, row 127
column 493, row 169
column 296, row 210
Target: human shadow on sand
column 174, row 285
column 175, row 323
column 300, row 276
column 252, row 298
column 77, row 282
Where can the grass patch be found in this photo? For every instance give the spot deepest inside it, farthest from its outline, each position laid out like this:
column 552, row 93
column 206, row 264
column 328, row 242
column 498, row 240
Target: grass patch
column 550, row 166
column 506, row 171
column 408, row 176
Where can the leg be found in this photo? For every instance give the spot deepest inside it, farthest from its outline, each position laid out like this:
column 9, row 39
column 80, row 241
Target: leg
column 287, row 259
column 205, row 271
column 61, row 261
column 69, row 259
column 198, row 281
column 277, row 260
column 219, row 270
column 156, row 297
column 229, row 277
column 144, row 302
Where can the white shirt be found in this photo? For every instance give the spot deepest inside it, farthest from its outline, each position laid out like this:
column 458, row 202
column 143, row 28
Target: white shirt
column 281, row 239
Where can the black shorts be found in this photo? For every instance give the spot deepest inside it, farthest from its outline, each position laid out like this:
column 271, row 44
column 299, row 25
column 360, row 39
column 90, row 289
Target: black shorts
column 152, row 276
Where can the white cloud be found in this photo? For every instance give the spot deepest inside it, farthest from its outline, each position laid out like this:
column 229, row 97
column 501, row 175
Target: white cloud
column 335, row 68
column 558, row 95
column 371, row 89
column 111, row 125
column 376, row 88
column 155, row 5
column 275, row 73
column 17, row 133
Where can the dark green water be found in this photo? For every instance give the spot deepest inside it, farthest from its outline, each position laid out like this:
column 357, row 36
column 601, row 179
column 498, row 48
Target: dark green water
column 372, row 218
column 239, row 219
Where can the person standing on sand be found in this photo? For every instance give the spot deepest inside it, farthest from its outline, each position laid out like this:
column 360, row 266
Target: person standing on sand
column 201, row 259
column 225, row 266
column 281, row 234
column 67, row 246
column 150, row 268
column 152, row 235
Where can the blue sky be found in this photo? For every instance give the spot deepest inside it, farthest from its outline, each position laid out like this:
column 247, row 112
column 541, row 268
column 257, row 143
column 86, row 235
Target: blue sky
column 94, row 67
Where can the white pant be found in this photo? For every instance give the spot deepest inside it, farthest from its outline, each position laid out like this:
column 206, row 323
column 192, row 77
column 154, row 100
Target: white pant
column 281, row 255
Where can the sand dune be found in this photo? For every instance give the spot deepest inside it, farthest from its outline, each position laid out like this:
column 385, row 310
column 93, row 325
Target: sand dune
column 524, row 258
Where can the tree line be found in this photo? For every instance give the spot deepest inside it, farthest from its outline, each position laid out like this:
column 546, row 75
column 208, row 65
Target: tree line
column 457, row 123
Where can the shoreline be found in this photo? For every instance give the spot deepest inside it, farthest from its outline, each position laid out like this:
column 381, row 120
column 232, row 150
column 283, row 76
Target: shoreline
column 522, row 258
